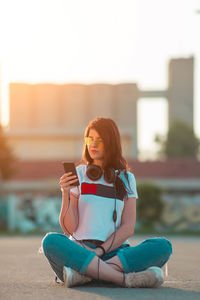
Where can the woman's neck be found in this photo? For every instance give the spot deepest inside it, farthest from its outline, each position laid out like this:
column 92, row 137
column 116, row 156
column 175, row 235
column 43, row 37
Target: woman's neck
column 98, row 162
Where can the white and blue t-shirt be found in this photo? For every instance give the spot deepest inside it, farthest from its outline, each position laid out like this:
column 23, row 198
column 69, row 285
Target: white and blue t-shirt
column 96, row 205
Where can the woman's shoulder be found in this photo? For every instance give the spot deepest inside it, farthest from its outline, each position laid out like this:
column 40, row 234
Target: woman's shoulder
column 129, row 174
column 130, row 183
column 81, row 168
column 127, row 177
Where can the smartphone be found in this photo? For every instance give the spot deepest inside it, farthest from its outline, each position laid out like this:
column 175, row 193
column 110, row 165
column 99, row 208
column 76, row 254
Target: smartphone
column 70, row 167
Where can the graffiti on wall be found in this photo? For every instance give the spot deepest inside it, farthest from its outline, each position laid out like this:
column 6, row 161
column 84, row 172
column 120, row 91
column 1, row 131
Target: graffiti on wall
column 182, row 212
column 40, row 213
column 28, row 213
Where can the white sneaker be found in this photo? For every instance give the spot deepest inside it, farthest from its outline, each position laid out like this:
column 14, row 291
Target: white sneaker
column 72, row 277
column 153, row 277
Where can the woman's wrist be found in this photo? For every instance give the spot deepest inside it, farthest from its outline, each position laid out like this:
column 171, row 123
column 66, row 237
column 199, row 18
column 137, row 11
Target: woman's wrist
column 100, row 251
column 65, row 193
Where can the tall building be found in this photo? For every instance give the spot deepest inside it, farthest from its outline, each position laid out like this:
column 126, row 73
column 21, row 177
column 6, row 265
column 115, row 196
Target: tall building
column 180, row 90
column 47, row 121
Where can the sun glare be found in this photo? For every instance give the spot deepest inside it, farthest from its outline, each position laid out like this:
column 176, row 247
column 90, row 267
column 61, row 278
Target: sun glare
column 63, row 41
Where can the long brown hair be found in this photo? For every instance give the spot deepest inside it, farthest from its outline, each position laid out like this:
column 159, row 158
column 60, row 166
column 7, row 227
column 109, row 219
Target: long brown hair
column 113, row 159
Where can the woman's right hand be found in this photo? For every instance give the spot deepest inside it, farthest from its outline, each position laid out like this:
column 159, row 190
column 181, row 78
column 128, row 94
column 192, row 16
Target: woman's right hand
column 66, row 180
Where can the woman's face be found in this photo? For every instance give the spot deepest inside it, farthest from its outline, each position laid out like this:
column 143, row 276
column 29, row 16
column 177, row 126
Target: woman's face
column 95, row 146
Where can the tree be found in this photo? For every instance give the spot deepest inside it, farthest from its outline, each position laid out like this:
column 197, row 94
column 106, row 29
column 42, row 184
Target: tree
column 180, row 141
column 150, row 205
column 7, row 158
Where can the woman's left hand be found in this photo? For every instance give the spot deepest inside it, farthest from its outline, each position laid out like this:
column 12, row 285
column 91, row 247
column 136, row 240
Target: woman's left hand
column 97, row 250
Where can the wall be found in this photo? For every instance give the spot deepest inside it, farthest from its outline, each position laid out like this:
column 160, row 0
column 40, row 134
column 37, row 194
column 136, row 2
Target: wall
column 39, row 212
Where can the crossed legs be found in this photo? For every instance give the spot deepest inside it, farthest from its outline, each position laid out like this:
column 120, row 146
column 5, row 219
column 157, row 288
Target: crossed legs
column 106, row 271
column 60, row 251
column 151, row 252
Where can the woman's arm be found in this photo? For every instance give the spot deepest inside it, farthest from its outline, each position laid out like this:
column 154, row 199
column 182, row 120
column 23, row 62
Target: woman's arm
column 126, row 228
column 69, row 220
column 69, row 209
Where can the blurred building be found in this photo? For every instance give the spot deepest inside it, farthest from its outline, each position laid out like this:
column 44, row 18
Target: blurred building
column 47, row 121
column 180, row 91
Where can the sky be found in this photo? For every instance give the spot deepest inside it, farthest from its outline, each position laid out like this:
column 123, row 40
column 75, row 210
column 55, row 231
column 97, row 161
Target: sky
column 111, row 41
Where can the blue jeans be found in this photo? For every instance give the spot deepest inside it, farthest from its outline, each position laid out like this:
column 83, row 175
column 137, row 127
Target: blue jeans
column 61, row 251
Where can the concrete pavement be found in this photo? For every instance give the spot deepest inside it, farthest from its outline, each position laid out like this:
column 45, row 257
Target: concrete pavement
column 25, row 274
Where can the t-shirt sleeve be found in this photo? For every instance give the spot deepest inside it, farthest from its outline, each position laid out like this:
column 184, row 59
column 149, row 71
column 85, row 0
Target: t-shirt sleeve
column 131, row 187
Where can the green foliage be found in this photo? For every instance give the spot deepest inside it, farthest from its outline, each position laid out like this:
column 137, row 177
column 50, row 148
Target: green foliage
column 180, row 141
column 149, row 204
column 6, row 158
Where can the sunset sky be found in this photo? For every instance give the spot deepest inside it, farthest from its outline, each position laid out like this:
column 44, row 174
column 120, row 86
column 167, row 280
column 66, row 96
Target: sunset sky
column 110, row 41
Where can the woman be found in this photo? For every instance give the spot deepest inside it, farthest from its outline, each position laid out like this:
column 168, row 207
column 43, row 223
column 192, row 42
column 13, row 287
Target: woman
column 100, row 216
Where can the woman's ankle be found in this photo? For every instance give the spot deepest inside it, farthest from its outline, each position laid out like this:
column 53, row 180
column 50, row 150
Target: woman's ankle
column 106, row 273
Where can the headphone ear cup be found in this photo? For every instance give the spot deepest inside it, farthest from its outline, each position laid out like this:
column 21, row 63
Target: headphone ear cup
column 94, row 172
